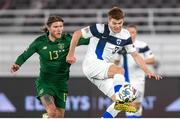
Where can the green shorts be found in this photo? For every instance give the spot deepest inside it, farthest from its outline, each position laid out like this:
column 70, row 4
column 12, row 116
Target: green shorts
column 59, row 95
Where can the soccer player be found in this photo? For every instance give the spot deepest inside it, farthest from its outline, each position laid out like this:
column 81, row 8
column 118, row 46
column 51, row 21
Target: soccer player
column 105, row 40
column 133, row 73
column 52, row 47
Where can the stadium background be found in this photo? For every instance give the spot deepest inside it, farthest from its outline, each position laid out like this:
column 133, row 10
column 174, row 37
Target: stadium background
column 158, row 22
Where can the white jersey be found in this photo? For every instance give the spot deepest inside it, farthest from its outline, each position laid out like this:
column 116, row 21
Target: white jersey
column 102, row 47
column 134, row 71
column 104, row 43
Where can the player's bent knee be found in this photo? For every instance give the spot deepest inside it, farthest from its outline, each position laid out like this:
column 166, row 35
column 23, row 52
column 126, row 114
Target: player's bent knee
column 121, row 70
column 117, row 69
column 113, row 69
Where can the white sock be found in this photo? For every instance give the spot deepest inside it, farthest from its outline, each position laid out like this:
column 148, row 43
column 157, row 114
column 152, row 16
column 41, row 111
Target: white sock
column 118, row 81
column 111, row 111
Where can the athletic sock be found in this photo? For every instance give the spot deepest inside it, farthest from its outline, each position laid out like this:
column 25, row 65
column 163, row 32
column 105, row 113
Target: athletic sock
column 118, row 81
column 110, row 112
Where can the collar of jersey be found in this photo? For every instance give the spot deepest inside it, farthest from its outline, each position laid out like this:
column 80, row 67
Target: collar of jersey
column 55, row 42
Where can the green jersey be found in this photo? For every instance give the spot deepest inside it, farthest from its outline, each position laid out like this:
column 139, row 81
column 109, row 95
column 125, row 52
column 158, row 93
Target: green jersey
column 54, row 69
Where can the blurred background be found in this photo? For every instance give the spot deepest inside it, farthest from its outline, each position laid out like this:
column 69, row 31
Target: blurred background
column 158, row 23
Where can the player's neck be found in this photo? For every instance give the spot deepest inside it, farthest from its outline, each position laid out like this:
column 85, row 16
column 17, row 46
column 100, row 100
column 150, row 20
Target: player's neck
column 52, row 38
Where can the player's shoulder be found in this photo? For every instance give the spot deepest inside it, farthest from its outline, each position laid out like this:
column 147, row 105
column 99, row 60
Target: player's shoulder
column 100, row 25
column 140, row 43
column 41, row 38
column 125, row 33
column 66, row 38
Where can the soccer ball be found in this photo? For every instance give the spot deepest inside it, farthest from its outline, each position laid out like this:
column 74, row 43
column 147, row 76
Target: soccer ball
column 127, row 93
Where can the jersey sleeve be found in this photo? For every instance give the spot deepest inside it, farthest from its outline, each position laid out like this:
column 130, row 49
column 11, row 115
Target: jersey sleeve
column 94, row 30
column 83, row 41
column 130, row 47
column 27, row 53
column 147, row 51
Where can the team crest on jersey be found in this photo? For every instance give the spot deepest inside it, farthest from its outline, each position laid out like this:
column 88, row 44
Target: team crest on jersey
column 118, row 41
column 61, row 46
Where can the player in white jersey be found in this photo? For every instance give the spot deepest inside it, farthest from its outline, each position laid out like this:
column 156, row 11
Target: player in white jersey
column 105, row 40
column 133, row 74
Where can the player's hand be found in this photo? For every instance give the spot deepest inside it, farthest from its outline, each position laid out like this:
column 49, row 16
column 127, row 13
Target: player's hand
column 153, row 76
column 70, row 59
column 14, row 68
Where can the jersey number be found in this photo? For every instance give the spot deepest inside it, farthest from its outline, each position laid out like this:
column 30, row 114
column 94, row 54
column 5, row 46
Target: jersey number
column 53, row 55
column 115, row 50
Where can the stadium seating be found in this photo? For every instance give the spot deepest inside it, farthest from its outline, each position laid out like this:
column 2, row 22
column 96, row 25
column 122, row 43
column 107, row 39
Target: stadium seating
column 162, row 20
column 74, row 4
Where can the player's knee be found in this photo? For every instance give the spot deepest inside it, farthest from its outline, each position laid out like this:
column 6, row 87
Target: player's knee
column 115, row 70
column 119, row 70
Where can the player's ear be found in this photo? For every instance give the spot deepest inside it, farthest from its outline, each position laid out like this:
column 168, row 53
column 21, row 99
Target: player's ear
column 109, row 19
column 122, row 21
column 48, row 28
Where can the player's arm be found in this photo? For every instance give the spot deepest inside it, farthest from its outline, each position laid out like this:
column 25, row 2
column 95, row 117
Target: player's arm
column 84, row 33
column 82, row 41
column 70, row 58
column 140, row 61
column 149, row 57
column 150, row 61
column 23, row 57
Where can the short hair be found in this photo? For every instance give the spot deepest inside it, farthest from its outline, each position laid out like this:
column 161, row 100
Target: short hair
column 132, row 26
column 116, row 13
column 52, row 19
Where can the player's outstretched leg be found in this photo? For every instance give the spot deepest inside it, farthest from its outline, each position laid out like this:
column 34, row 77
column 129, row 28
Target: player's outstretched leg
column 118, row 81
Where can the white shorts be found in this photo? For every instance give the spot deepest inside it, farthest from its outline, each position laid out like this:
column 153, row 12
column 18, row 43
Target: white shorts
column 97, row 72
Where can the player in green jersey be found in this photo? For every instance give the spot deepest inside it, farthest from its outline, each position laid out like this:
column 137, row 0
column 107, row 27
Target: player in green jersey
column 52, row 47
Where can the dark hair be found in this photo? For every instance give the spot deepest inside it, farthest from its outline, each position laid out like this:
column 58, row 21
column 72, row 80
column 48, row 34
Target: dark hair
column 116, row 13
column 132, row 26
column 51, row 19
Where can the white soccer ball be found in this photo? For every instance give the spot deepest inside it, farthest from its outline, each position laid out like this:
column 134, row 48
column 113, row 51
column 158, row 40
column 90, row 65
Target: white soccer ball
column 127, row 93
